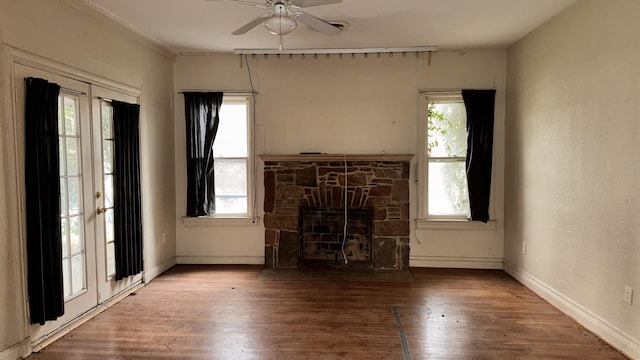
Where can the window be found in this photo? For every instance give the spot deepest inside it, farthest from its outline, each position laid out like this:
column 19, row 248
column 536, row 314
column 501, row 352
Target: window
column 231, row 149
column 444, row 151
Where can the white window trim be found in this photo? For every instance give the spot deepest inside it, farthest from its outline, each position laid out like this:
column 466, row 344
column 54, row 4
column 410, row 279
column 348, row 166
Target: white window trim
column 454, row 224
column 424, row 220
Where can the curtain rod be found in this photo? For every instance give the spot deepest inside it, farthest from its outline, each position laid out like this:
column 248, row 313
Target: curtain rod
column 73, row 91
column 440, row 91
column 335, row 51
column 226, row 92
column 111, row 100
column 450, row 91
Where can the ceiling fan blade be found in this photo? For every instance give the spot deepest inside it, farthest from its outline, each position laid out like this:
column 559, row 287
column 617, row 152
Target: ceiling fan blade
column 253, row 23
column 243, row 2
column 310, row 3
column 317, row 24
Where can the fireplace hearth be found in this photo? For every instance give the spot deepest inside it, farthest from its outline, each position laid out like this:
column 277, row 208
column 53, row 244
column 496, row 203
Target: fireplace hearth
column 304, row 210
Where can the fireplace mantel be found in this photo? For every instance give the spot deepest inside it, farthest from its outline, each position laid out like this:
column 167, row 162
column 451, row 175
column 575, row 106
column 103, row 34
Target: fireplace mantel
column 336, row 157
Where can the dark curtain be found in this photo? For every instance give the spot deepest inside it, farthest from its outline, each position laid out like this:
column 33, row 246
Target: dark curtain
column 126, row 190
column 480, row 105
column 42, row 192
column 202, row 115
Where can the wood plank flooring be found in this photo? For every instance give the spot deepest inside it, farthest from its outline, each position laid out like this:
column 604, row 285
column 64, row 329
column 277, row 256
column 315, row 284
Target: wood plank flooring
column 225, row 312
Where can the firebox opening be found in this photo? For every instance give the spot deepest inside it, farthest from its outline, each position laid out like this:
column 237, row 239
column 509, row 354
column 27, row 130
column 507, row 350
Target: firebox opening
column 321, row 234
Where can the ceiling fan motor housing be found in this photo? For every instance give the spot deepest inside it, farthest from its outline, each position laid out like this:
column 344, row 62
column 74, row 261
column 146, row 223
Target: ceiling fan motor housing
column 280, row 23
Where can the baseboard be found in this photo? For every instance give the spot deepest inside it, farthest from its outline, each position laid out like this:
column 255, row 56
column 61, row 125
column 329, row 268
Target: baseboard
column 226, row 260
column 157, row 270
column 594, row 323
column 457, row 262
column 18, row 350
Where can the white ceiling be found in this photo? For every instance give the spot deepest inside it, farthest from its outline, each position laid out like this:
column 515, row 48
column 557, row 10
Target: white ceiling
column 206, row 26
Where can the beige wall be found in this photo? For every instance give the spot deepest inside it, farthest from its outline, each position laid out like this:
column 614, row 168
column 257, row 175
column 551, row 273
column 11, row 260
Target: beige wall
column 572, row 189
column 66, row 34
column 348, row 105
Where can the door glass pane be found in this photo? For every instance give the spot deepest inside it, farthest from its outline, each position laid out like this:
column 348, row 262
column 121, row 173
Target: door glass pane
column 231, row 186
column 107, row 156
column 77, row 273
column 62, row 156
column 65, row 237
column 60, row 124
column 106, row 121
column 108, row 191
column 66, row 284
column 108, row 226
column 75, row 239
column 70, row 116
column 448, row 193
column 64, row 201
column 72, row 156
column 111, row 259
column 73, row 189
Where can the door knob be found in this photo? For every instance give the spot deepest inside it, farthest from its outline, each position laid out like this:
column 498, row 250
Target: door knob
column 100, row 210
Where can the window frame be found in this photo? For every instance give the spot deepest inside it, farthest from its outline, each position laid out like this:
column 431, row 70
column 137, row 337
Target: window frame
column 447, row 223
column 425, row 98
column 234, row 219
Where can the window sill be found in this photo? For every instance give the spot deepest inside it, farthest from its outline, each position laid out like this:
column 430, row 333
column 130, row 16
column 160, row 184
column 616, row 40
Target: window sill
column 440, row 224
column 207, row 221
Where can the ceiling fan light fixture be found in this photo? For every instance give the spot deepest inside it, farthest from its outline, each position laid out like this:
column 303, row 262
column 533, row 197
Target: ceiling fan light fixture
column 280, row 25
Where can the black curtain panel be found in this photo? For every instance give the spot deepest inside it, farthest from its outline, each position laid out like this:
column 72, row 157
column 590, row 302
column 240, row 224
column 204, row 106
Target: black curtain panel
column 480, row 105
column 42, row 195
column 202, row 115
column 126, row 190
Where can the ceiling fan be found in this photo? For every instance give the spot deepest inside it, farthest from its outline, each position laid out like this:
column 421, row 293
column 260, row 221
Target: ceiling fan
column 284, row 16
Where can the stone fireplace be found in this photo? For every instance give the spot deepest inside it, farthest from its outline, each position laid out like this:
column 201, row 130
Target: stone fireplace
column 305, row 210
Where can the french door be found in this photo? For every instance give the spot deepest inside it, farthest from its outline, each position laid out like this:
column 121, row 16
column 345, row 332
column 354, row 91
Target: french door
column 86, row 187
column 103, row 158
column 78, row 218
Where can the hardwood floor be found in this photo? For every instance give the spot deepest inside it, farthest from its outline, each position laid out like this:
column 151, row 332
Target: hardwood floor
column 225, row 312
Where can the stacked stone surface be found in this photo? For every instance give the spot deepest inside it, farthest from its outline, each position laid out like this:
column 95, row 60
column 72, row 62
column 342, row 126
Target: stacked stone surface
column 382, row 186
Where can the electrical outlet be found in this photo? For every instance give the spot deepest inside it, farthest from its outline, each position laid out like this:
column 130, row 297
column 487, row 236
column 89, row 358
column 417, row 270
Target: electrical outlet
column 628, row 295
column 524, row 248
column 164, row 237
